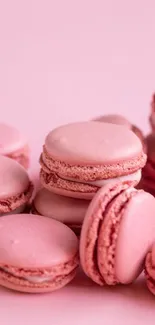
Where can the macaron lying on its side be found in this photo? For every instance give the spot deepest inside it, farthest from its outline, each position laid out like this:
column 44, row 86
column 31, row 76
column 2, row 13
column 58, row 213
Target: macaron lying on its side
column 15, row 187
column 79, row 158
column 14, row 145
column 68, row 210
column 121, row 120
column 37, row 254
column 117, row 232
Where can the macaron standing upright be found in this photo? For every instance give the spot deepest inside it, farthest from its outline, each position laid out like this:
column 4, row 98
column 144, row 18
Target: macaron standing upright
column 69, row 211
column 15, row 187
column 14, row 145
column 121, row 120
column 37, row 254
column 79, row 158
column 117, row 232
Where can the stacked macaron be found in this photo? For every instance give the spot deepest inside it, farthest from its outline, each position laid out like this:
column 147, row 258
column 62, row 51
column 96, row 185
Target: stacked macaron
column 80, row 158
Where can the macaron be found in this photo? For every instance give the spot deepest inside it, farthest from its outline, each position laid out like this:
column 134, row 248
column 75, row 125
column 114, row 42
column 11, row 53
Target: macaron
column 37, row 254
column 117, row 232
column 68, row 210
column 121, row 120
column 150, row 269
column 148, row 173
column 79, row 158
column 14, row 145
column 15, row 187
column 152, row 113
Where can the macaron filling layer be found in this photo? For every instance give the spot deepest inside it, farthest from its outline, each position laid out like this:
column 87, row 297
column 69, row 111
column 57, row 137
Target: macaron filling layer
column 136, row 176
column 39, row 276
column 92, row 172
column 23, row 284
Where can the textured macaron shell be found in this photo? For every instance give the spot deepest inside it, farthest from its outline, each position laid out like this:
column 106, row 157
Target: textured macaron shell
column 64, row 209
column 35, row 242
column 91, row 143
column 10, row 139
column 14, row 179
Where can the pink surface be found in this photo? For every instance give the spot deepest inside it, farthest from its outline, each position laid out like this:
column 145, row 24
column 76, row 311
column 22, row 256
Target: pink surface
column 62, row 61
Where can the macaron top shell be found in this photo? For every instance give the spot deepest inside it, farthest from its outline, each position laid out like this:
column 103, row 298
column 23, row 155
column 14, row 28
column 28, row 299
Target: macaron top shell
column 114, row 119
column 30, row 241
column 10, row 139
column 61, row 208
column 92, row 143
column 13, row 178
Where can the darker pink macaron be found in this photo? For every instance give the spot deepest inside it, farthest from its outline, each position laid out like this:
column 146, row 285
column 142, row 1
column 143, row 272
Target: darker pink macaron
column 68, row 210
column 79, row 158
column 118, row 231
column 14, row 145
column 152, row 114
column 148, row 172
column 150, row 269
column 37, row 254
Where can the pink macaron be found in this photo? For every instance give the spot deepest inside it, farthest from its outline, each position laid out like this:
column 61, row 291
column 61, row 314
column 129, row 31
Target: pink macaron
column 68, row 210
column 121, row 120
column 15, row 187
column 37, row 254
column 79, row 158
column 14, row 145
column 150, row 269
column 118, row 230
column 148, row 173
column 152, row 113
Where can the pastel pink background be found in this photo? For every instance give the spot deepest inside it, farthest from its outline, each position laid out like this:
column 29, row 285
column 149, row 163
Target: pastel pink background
column 67, row 60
